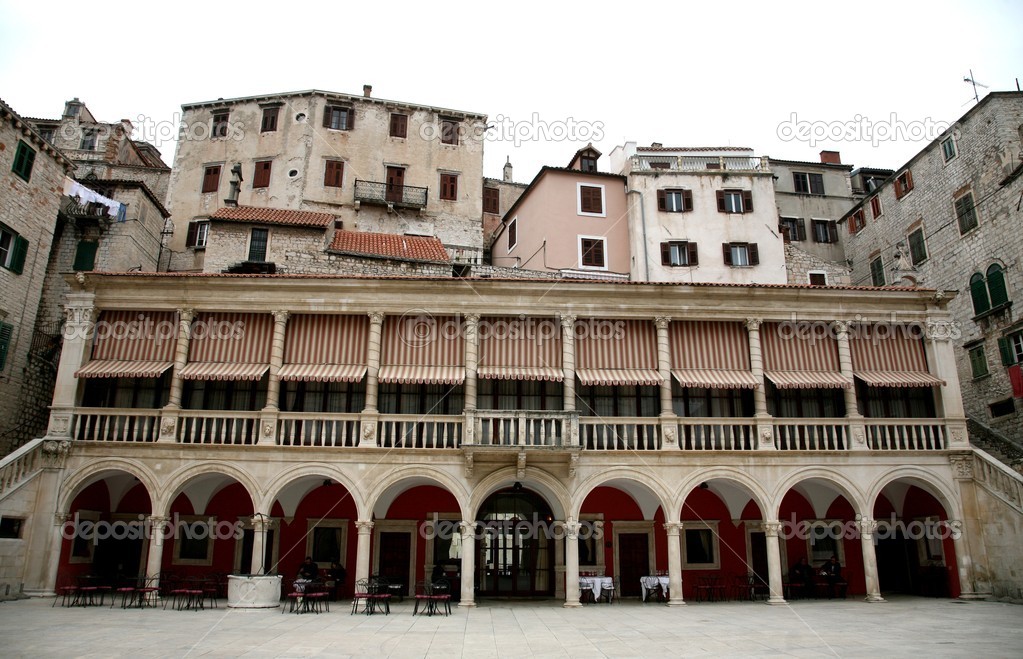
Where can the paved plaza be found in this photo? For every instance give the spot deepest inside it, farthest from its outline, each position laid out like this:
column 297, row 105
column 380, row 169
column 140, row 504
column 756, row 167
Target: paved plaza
column 850, row 628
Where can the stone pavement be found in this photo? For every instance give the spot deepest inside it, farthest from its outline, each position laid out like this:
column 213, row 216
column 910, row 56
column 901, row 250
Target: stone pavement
column 849, row 628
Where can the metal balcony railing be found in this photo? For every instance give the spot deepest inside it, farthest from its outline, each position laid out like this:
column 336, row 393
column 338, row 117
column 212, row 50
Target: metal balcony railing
column 389, row 194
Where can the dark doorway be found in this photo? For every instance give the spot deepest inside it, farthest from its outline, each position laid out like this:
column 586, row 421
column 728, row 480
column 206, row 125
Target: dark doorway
column 395, row 558
column 515, row 554
column 395, row 184
column 758, row 555
column 633, row 561
column 118, row 558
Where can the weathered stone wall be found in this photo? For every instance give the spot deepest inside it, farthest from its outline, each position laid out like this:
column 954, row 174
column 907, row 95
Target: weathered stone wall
column 832, row 205
column 1003, row 539
column 800, row 264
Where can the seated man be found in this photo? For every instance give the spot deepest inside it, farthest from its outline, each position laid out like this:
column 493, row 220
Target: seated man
column 307, row 572
column 832, row 573
column 338, row 575
column 801, row 579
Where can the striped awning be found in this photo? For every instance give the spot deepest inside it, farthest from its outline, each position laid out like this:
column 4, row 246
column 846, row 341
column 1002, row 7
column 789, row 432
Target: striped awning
column 889, row 355
column 711, row 354
column 231, row 338
column 607, row 377
column 715, row 378
column 520, row 373
column 223, row 371
column 798, row 359
column 107, row 368
column 807, row 379
column 422, row 374
column 322, row 372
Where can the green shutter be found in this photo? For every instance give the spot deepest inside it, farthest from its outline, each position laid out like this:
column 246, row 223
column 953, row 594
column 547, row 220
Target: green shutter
column 978, row 361
column 6, row 331
column 996, row 285
column 85, row 255
column 978, row 292
column 19, row 251
column 1005, row 348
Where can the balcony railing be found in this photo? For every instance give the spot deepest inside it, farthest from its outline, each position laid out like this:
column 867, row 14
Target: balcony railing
column 699, row 163
column 905, row 435
column 715, row 434
column 204, row 427
column 811, row 434
column 113, row 425
column 620, row 433
column 414, row 431
column 523, row 428
column 304, row 429
column 389, row 194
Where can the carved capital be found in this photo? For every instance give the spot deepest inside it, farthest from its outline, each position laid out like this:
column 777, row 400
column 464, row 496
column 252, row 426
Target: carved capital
column 868, row 527
column 466, row 529
column 76, row 316
column 376, row 317
column 673, row 529
column 186, row 315
column 662, row 322
column 841, row 328
column 962, row 467
column 568, row 323
column 472, row 319
column 262, row 522
column 55, row 452
column 364, row 527
column 753, row 324
column 61, row 518
column 572, row 529
column 772, row 529
column 281, row 316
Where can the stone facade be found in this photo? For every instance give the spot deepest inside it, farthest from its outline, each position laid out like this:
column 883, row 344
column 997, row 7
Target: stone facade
column 508, row 193
column 986, row 164
column 828, row 203
column 800, row 265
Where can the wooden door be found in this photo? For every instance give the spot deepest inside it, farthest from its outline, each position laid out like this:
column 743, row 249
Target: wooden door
column 395, row 556
column 633, row 561
column 395, row 184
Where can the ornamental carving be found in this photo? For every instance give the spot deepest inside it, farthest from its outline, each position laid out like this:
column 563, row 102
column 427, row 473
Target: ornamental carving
column 572, row 529
column 468, row 464
column 753, row 324
column 59, row 424
column 673, row 528
column 962, row 467
column 868, row 527
column 268, row 430
column 55, row 451
column 772, row 529
column 376, row 318
column 573, row 465
column 167, row 427
column 662, row 322
column 669, row 434
column 364, row 527
column 281, row 316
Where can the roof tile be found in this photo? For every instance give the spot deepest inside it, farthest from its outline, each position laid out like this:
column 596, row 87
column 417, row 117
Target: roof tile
column 274, row 216
column 415, row 248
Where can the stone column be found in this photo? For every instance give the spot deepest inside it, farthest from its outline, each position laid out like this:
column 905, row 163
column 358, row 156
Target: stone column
column 42, row 549
column 362, row 549
column 49, row 581
column 941, row 361
column 273, row 386
column 368, row 433
column 78, row 329
column 664, row 364
column 856, row 439
column 771, row 530
column 154, row 558
column 867, row 529
column 468, row 572
column 568, row 363
column 968, row 539
column 261, row 524
column 765, row 431
column 472, row 350
column 572, row 563
column 185, row 317
column 674, row 531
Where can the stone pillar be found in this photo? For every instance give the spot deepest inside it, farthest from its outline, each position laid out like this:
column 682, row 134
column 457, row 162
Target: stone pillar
column 572, row 563
column 42, row 549
column 968, row 540
column 765, row 431
column 78, row 329
column 261, row 524
column 273, row 386
column 674, row 531
column 49, row 581
column 568, row 364
column 362, row 549
column 856, row 439
column 941, row 361
column 154, row 557
column 664, row 364
column 468, row 573
column 771, row 530
column 368, row 432
column 472, row 351
column 185, row 317
column 867, row 529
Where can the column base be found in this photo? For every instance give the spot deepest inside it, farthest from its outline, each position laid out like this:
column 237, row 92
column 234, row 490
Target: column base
column 571, row 605
column 974, row 597
column 874, row 599
column 676, row 603
column 30, row 592
column 467, row 604
column 776, row 600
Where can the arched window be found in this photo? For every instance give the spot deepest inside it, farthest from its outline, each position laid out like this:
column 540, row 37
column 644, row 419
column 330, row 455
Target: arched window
column 988, row 292
column 978, row 291
column 996, row 285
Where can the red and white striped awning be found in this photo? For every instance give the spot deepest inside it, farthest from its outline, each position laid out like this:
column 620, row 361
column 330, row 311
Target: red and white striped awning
column 889, row 355
column 223, row 371
column 616, row 352
column 517, row 348
column 618, row 376
column 132, row 344
column 325, row 348
column 422, row 374
column 422, row 349
column 229, row 346
column 711, row 354
column 794, row 359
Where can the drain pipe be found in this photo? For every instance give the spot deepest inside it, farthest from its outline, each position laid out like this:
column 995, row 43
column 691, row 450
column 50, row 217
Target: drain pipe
column 642, row 221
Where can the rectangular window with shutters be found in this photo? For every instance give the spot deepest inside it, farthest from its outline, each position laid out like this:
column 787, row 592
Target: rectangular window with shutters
column 978, row 361
column 1011, row 349
column 735, row 201
column 257, row 244
column 740, row 254
column 679, row 253
column 399, row 125
column 13, row 250
column 261, row 175
column 591, row 200
column 917, row 247
column 198, row 232
column 877, row 272
column 269, row 122
column 793, row 229
column 449, row 187
column 675, row 201
column 85, row 255
column 875, row 207
column 592, row 252
column 336, row 117
column 334, row 174
column 825, row 231
column 804, row 183
column 903, row 184
column 449, row 131
column 513, row 233
column 88, row 142
column 219, row 127
column 492, row 201
column 211, row 179
column 857, row 221
column 24, row 158
column 6, row 332
column 948, row 148
column 966, row 213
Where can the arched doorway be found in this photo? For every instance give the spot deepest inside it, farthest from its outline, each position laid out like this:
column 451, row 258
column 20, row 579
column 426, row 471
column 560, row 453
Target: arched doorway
column 515, row 546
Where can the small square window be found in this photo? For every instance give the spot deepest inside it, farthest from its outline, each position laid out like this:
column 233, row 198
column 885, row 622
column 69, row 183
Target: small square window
column 1002, row 408
column 13, row 250
column 198, row 233
column 675, row 201
column 917, row 247
column 219, row 127
column 818, row 278
column 333, row 175
column 875, row 207
column 449, row 131
column 88, row 142
column 399, row 125
column 492, row 201
column 966, row 213
column 591, row 199
column 825, row 231
column 679, row 253
column 10, row 527
column 735, row 201
column 269, row 123
column 261, row 176
column 700, row 548
column 740, row 254
column 948, row 148
column 211, row 179
column 588, row 164
column 978, row 361
column 793, row 229
column 449, row 187
column 857, row 221
column 903, row 184
column 804, row 183
column 336, row 117
column 592, row 253
column 24, row 158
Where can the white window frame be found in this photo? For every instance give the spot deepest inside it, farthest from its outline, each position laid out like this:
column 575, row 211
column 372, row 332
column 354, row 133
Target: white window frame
column 740, row 248
column 579, row 199
column 737, row 194
column 712, row 526
column 681, row 248
column 669, row 194
column 513, row 223
column 202, row 235
column 7, row 252
column 579, row 248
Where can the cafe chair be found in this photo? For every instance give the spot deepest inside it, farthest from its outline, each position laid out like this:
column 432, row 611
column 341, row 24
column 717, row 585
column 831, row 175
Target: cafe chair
column 607, row 592
column 585, row 592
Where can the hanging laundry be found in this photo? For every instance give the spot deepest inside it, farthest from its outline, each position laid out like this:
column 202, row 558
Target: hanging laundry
column 84, row 195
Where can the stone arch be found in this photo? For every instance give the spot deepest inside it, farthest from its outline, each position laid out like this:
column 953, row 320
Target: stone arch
column 836, row 479
column 637, row 480
column 547, row 485
column 277, row 485
column 425, row 476
column 734, row 476
column 180, row 478
column 925, row 480
column 90, row 472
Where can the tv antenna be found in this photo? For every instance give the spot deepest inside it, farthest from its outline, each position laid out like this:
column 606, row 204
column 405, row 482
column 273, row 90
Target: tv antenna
column 969, row 79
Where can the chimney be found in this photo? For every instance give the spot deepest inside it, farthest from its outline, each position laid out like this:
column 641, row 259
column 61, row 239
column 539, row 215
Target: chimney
column 831, row 157
column 507, row 170
column 656, row 145
column 367, row 90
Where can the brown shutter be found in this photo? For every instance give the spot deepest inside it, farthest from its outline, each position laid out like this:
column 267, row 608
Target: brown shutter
column 665, row 253
column 326, row 116
column 786, row 235
column 193, row 231
column 802, row 229
column 726, row 251
column 909, row 180
column 687, row 200
column 599, row 251
column 754, row 254
column 694, row 258
column 721, row 202
column 747, row 201
column 832, row 232
column 662, row 203
column 351, row 118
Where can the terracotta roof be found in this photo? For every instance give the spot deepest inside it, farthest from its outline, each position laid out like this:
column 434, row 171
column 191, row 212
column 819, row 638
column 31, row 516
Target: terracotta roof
column 693, row 148
column 274, row 216
column 388, row 245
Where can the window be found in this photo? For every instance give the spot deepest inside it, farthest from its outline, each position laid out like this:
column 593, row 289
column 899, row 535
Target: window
column 492, row 201
column 211, row 179
column 966, row 213
column 903, row 184
column 449, row 131
column 588, row 164
column 336, row 117
column 875, row 207
column 679, row 253
column 10, row 527
column 269, row 123
column 857, row 221
column 793, row 228
column 988, row 293
column 13, row 249
column 978, row 361
column 513, row 233
column 24, row 158
column 818, row 278
column 804, row 183
column 1011, row 349
column 591, row 199
column 735, row 201
column 591, row 253
column 917, row 247
column 219, row 127
column 825, row 231
column 261, row 176
column 333, row 174
column 877, row 272
column 700, row 549
column 449, row 187
column 193, row 540
column 198, row 232
column 47, row 133
column 257, row 244
column 675, row 201
column 399, row 125
column 1002, row 408
column 85, row 256
column 6, row 333
column 88, row 142
column 740, row 254
column 948, row 148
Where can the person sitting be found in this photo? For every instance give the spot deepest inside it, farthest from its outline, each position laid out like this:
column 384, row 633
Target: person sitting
column 832, row 573
column 307, row 572
column 801, row 579
column 338, row 574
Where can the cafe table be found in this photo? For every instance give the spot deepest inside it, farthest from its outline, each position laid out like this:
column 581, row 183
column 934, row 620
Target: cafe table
column 650, row 582
column 596, row 584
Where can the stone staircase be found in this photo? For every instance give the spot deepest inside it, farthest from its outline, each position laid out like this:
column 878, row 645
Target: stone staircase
column 1007, row 451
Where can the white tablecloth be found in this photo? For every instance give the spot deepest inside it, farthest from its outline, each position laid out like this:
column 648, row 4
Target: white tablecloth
column 646, row 583
column 596, row 584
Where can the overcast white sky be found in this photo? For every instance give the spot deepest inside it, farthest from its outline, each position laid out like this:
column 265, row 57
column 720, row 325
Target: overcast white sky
column 680, row 73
